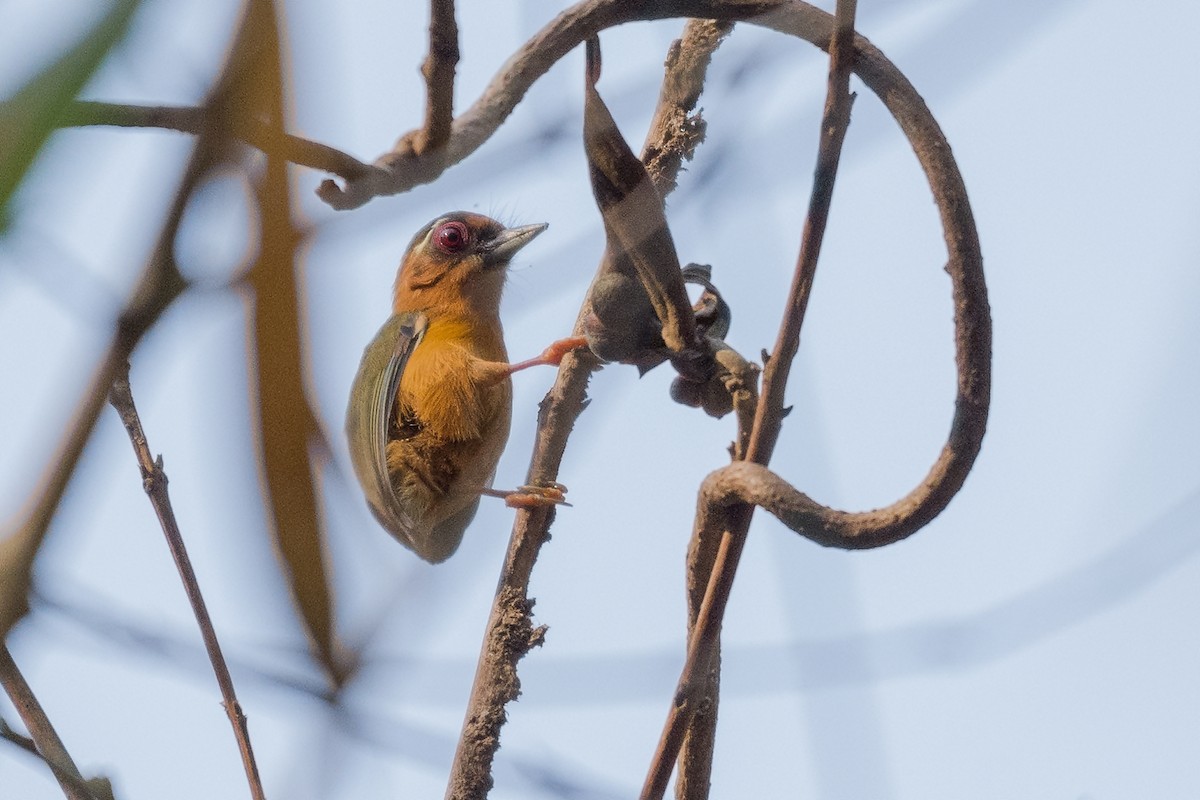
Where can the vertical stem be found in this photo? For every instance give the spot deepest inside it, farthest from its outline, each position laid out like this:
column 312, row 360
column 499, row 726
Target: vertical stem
column 834, row 122
column 769, row 414
column 438, row 71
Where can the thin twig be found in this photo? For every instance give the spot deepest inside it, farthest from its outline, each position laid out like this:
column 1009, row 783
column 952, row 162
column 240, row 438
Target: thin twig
column 14, row 738
column 511, row 632
column 191, row 119
column 45, row 739
column 98, row 788
column 834, row 123
column 154, row 480
column 704, row 640
column 438, row 71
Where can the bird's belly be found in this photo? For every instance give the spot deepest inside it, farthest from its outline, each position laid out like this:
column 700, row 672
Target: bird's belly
column 437, row 477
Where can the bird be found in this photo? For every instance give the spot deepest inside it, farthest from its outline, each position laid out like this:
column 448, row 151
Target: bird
column 431, row 403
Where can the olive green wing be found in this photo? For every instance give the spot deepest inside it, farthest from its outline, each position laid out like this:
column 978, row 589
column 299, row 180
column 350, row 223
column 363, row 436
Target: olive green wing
column 372, row 410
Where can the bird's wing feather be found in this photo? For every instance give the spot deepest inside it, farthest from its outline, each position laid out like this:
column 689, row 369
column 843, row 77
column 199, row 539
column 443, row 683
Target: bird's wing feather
column 367, row 423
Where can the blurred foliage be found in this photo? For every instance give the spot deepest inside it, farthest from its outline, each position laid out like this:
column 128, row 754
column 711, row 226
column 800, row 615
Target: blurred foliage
column 29, row 117
column 290, row 441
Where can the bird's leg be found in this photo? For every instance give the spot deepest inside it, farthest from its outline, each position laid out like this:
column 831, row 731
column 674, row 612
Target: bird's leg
column 489, row 373
column 531, row 496
column 552, row 355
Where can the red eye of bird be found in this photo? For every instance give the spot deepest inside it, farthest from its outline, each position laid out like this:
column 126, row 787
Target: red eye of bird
column 451, row 237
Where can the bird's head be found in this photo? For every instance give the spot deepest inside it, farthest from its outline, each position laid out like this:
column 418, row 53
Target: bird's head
column 457, row 263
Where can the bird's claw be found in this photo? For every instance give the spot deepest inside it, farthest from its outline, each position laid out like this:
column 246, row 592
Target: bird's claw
column 537, row 496
column 553, row 355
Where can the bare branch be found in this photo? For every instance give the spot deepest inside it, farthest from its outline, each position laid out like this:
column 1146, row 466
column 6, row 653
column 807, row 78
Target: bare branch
column 438, row 70
column 699, row 735
column 154, row 480
column 404, row 168
column 190, row 119
column 510, row 629
column 511, row 633
column 45, row 739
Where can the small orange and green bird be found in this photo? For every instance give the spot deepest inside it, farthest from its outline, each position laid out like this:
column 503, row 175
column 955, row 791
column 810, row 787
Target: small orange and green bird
column 431, row 404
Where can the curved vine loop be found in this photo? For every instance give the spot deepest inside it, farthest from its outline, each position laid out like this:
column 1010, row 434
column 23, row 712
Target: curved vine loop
column 755, row 484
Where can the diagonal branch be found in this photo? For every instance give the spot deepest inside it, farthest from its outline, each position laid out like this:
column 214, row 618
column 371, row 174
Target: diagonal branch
column 191, row 119
column 46, row 741
column 160, row 284
column 154, row 480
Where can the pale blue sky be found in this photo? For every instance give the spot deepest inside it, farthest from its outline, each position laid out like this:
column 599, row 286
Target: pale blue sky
column 1036, row 641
